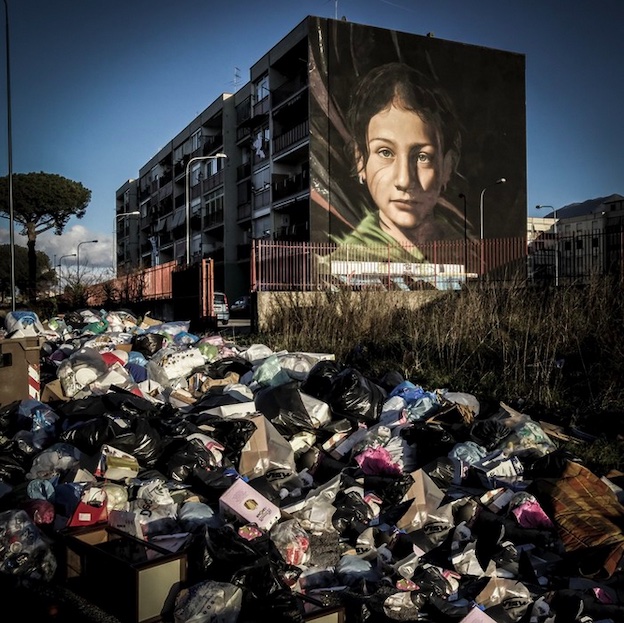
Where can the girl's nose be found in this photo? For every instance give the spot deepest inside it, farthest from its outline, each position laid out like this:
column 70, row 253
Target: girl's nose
column 405, row 173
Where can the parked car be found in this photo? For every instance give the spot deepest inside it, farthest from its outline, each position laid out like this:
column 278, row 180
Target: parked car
column 241, row 307
column 221, row 309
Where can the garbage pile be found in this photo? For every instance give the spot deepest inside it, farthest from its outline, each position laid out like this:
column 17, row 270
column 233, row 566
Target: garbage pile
column 294, row 486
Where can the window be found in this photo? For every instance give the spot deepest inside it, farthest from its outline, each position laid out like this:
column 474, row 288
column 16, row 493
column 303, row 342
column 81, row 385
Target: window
column 262, row 88
column 214, row 208
column 196, row 139
column 195, row 174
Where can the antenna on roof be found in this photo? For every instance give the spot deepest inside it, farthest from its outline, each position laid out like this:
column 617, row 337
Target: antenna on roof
column 237, row 77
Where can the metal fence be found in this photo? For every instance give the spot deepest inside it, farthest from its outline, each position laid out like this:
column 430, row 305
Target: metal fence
column 149, row 284
column 281, row 266
column 278, row 266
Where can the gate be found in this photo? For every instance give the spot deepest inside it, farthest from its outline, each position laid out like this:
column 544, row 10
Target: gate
column 192, row 290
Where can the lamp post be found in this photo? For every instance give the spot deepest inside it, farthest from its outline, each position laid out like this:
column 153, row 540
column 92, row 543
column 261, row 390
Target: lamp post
column 187, row 193
column 78, row 257
column 117, row 217
column 59, row 265
column 500, row 180
column 10, row 156
column 541, row 207
column 462, row 196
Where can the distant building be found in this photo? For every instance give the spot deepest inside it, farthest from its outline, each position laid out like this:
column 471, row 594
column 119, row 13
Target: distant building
column 579, row 240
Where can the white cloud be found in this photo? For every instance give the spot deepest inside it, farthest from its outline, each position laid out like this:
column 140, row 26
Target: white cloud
column 97, row 255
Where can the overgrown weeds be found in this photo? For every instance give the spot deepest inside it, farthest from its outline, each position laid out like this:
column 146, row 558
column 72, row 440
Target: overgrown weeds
column 559, row 351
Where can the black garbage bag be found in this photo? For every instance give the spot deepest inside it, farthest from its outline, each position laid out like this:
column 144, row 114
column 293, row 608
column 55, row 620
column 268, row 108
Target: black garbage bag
column 13, row 467
column 220, row 368
column 211, row 485
column 232, row 433
column 284, row 408
column 266, row 592
column 180, row 457
column 390, row 489
column 258, row 568
column 354, row 396
column 352, row 512
column 223, row 551
column 320, row 378
column 383, row 604
column 148, row 344
column 489, row 433
column 211, row 399
column 129, row 404
column 88, row 435
column 431, row 441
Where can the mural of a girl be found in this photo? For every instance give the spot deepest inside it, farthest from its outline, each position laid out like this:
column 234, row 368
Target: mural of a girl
column 405, row 147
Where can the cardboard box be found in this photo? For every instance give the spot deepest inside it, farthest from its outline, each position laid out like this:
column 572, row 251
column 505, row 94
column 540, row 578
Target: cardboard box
column 325, row 615
column 133, row 580
column 248, row 505
column 53, row 391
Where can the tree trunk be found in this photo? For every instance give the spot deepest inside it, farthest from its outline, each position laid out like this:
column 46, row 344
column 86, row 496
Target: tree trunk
column 32, row 265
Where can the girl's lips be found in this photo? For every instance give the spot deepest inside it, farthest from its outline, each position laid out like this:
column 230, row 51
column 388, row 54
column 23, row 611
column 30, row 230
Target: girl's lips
column 407, row 203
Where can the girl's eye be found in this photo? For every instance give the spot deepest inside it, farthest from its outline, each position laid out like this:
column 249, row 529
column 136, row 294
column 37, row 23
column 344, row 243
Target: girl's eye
column 385, row 153
column 424, row 158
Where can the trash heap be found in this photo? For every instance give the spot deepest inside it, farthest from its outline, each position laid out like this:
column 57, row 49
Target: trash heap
column 290, row 485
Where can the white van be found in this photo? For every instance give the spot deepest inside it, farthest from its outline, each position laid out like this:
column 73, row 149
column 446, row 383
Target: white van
column 221, row 309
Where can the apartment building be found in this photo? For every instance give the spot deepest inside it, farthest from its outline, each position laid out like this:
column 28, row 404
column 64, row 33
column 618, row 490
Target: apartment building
column 259, row 190
column 271, row 161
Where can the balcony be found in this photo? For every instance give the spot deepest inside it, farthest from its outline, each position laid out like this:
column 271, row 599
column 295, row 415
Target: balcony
column 243, row 211
column 212, row 182
column 262, row 198
column 213, row 219
column 260, row 153
column 291, row 137
column 262, row 107
column 211, row 143
column 289, row 89
column 243, row 171
column 291, row 185
column 243, row 133
column 243, row 193
column 243, row 111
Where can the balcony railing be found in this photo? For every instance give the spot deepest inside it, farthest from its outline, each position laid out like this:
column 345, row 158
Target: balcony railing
column 212, row 219
column 212, row 182
column 291, row 185
column 290, row 88
column 243, row 171
column 291, row 137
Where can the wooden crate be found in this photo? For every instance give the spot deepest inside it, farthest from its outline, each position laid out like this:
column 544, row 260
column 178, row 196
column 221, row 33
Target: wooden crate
column 132, row 579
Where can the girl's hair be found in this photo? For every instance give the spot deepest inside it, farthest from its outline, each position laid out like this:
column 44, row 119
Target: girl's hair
column 398, row 82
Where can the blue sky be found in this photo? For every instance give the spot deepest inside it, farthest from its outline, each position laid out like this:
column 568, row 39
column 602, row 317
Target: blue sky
column 98, row 87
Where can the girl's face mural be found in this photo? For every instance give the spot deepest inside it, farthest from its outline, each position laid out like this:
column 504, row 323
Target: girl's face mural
column 405, row 170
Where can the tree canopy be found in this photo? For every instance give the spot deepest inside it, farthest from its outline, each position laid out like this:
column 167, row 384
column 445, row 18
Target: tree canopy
column 42, row 201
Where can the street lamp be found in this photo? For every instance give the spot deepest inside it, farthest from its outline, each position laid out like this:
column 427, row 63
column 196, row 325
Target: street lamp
column 462, row 196
column 10, row 156
column 542, row 207
column 501, row 180
column 78, row 257
column 187, row 193
column 59, row 265
column 118, row 216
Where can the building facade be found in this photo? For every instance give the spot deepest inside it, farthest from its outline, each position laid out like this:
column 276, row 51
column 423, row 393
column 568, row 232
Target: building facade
column 290, row 174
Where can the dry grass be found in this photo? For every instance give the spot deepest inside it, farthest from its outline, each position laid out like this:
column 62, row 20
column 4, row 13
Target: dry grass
column 560, row 350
